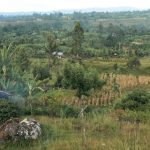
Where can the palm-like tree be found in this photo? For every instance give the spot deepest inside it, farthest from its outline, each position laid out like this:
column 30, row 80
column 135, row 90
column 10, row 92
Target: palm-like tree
column 32, row 85
column 6, row 55
column 6, row 58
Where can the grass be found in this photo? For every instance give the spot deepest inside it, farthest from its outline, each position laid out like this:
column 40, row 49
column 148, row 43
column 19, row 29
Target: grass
column 102, row 66
column 95, row 132
column 108, row 66
column 101, row 130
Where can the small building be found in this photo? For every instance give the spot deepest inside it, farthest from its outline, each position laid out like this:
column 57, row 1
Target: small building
column 58, row 54
column 54, row 53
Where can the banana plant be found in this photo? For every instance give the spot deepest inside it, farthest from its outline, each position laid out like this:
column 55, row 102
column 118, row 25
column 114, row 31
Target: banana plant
column 32, row 85
column 6, row 59
column 10, row 79
column 6, row 54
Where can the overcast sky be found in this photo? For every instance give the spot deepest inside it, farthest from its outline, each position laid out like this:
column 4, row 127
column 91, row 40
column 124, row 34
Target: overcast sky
column 51, row 5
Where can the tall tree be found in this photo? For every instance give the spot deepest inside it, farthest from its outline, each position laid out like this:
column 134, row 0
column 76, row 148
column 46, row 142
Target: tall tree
column 51, row 45
column 22, row 58
column 77, row 36
column 100, row 30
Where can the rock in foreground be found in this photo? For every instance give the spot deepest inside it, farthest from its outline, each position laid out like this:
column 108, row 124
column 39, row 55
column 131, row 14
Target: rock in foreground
column 14, row 130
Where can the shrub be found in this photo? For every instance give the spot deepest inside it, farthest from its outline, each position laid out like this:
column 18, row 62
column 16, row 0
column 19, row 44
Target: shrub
column 139, row 116
column 7, row 110
column 78, row 77
column 115, row 66
column 58, row 82
column 41, row 72
column 133, row 63
column 134, row 116
column 47, row 104
column 138, row 100
column 69, row 111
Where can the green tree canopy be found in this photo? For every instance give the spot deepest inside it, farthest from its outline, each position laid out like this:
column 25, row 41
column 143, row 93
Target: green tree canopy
column 81, row 79
column 22, row 58
column 136, row 100
column 77, row 36
column 51, row 45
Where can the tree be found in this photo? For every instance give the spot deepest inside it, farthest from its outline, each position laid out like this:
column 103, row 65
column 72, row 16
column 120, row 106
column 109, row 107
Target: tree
column 32, row 85
column 10, row 79
column 51, row 45
column 115, row 37
column 111, row 40
column 83, row 80
column 6, row 59
column 77, row 36
column 40, row 72
column 22, row 58
column 100, row 29
column 100, row 32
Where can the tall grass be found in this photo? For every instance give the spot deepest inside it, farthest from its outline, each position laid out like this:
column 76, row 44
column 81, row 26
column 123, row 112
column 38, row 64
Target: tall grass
column 94, row 132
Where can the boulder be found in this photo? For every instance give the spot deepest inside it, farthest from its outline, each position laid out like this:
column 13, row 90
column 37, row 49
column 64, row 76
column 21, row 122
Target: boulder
column 9, row 129
column 15, row 130
column 29, row 129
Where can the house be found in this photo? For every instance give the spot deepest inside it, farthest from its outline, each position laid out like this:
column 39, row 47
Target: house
column 54, row 53
column 58, row 54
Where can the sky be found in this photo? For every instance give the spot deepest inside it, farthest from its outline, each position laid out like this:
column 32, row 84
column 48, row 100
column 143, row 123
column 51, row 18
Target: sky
column 56, row 5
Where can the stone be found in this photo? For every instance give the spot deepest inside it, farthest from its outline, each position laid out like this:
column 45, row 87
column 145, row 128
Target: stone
column 29, row 129
column 14, row 129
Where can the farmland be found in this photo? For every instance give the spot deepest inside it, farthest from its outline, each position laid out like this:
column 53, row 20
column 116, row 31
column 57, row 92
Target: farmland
column 83, row 77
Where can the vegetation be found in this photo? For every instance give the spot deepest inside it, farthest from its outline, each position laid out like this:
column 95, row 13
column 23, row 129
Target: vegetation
column 78, row 75
column 133, row 63
column 7, row 110
column 137, row 100
column 77, row 36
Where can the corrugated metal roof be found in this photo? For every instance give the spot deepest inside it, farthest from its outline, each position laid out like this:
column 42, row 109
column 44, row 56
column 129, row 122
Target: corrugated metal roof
column 4, row 95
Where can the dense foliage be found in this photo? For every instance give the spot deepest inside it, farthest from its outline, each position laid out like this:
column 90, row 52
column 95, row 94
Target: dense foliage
column 81, row 79
column 7, row 110
column 138, row 100
column 133, row 63
column 73, row 68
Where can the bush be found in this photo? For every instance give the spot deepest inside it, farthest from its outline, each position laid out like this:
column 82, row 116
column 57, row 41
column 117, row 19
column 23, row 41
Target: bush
column 138, row 100
column 139, row 116
column 41, row 72
column 52, row 109
column 115, row 66
column 7, row 110
column 133, row 63
column 58, row 82
column 78, row 77
column 47, row 104
column 133, row 116
column 69, row 111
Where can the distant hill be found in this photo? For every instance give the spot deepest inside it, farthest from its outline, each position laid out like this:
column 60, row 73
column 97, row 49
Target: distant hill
column 16, row 13
column 69, row 11
column 109, row 9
